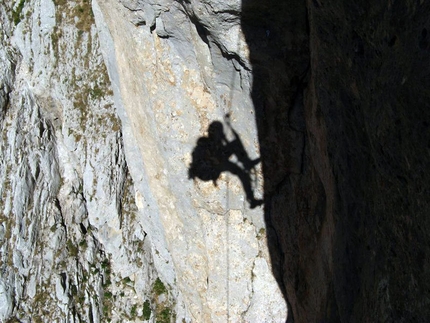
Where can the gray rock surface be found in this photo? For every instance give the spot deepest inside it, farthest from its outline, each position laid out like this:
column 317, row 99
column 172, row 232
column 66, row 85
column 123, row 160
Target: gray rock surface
column 73, row 248
column 171, row 88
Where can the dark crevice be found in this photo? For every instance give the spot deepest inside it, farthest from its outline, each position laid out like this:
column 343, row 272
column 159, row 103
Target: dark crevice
column 82, row 228
column 203, row 33
column 234, row 57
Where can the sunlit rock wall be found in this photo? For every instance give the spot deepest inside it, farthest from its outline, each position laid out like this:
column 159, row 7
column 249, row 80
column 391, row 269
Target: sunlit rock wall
column 177, row 67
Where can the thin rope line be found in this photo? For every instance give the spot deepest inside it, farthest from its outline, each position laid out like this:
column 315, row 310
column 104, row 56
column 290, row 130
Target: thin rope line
column 230, row 103
column 227, row 226
column 228, row 248
column 228, row 235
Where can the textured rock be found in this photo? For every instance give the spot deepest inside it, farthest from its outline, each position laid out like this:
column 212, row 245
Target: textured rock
column 90, row 237
column 171, row 88
column 67, row 197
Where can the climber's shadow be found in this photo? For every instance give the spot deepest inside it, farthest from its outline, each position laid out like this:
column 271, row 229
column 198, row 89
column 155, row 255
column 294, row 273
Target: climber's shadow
column 211, row 157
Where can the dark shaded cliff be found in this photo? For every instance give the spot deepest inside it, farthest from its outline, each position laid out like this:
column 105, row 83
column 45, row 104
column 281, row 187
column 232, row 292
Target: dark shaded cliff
column 341, row 92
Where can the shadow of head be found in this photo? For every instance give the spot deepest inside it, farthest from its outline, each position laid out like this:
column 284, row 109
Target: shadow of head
column 216, row 130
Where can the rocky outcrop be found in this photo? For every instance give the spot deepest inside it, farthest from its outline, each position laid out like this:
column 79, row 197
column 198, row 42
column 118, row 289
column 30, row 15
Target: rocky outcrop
column 73, row 247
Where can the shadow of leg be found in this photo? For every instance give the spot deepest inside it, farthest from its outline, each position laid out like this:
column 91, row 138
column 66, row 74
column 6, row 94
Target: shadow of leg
column 246, row 183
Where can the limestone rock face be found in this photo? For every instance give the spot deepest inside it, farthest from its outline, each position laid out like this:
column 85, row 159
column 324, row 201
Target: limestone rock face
column 102, row 104
column 73, row 247
column 176, row 68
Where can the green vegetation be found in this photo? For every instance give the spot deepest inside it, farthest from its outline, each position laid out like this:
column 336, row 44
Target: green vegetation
column 105, row 264
column 84, row 277
column 106, row 310
column 73, row 250
column 159, row 287
column 261, row 233
column 85, row 14
column 163, row 308
column 146, row 310
column 74, row 290
column 115, row 122
column 41, row 305
column 81, row 298
column 107, row 283
column 78, row 293
column 83, row 244
column 164, row 316
column 16, row 14
column 133, row 311
column 128, row 204
column 82, row 10
column 96, row 92
column 60, row 2
column 107, row 299
column 89, row 83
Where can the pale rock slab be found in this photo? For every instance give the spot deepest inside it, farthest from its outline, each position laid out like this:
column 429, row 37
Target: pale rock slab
column 171, row 85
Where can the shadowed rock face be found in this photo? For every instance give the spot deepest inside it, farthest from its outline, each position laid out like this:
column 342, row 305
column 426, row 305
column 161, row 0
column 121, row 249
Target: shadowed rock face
column 374, row 100
column 341, row 95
